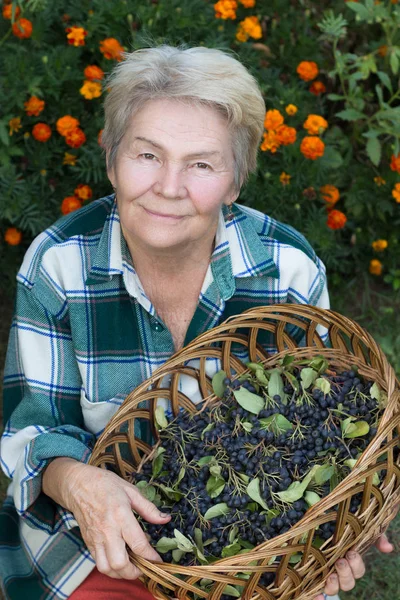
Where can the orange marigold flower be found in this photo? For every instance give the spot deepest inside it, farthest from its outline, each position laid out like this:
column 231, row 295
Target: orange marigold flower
column 69, row 204
column 83, row 192
column 99, row 141
column 291, row 109
column 317, row 88
column 330, row 194
column 34, row 106
column 285, row 178
column 65, row 124
column 273, row 119
column 14, row 124
column 248, row 3
column 379, row 180
column 111, row 49
column 90, row 90
column 286, row 135
column 312, row 147
column 225, row 9
column 270, row 142
column 396, row 192
column 307, row 70
column 69, row 159
column 383, row 50
column 7, row 11
column 76, row 36
column 41, row 132
column 250, row 27
column 22, row 28
column 13, row 236
column 75, row 137
column 336, row 219
column 375, row 267
column 315, row 124
column 310, row 193
column 379, row 245
column 93, row 73
column 395, row 163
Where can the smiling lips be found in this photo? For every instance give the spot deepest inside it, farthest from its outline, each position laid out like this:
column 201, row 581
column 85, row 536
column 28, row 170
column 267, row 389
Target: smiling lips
column 162, row 216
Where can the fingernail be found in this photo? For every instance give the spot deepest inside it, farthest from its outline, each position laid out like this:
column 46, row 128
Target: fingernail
column 164, row 515
column 333, row 578
column 341, row 563
column 351, row 555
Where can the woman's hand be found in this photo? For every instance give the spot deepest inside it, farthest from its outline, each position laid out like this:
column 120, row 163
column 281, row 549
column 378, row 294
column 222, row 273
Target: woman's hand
column 349, row 569
column 102, row 504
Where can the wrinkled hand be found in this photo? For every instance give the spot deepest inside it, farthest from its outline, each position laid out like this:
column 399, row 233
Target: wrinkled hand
column 351, row 568
column 102, row 504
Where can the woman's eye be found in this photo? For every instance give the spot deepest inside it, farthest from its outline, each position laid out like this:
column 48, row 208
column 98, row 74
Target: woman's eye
column 146, row 155
column 203, row 166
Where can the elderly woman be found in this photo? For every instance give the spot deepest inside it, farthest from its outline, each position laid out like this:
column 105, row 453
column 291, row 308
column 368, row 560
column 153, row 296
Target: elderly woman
column 110, row 292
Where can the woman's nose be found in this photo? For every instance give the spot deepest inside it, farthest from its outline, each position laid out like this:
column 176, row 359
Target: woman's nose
column 170, row 182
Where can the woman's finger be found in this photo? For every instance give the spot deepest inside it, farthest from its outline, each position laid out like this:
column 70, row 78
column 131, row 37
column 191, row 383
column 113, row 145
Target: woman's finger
column 384, row 545
column 345, row 574
column 118, row 558
column 332, row 585
column 102, row 564
column 356, row 564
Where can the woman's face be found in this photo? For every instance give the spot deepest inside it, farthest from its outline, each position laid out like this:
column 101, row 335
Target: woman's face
column 173, row 171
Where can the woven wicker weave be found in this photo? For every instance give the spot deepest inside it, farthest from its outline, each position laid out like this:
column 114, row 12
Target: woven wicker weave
column 348, row 345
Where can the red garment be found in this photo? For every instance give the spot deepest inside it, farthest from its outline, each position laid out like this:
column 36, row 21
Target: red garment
column 98, row 586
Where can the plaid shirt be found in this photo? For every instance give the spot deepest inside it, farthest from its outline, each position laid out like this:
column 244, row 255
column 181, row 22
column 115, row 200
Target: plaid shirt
column 83, row 336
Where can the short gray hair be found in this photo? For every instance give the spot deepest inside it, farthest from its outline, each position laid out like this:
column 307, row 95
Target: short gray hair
column 194, row 75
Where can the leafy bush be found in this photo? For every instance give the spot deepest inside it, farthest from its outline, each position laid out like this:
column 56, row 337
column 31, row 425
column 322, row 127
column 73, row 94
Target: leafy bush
column 331, row 67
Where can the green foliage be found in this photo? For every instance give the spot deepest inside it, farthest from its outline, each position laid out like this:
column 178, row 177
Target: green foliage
column 355, row 45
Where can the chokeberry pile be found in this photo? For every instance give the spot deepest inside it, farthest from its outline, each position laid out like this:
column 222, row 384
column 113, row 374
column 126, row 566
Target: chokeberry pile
column 246, row 468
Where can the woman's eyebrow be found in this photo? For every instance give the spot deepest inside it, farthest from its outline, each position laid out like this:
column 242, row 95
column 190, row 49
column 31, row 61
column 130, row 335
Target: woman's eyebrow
column 191, row 155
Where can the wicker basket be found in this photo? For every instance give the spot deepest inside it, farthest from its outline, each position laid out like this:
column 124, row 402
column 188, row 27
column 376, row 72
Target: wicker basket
column 348, row 345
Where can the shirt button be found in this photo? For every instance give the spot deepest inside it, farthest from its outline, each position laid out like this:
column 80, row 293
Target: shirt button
column 156, row 325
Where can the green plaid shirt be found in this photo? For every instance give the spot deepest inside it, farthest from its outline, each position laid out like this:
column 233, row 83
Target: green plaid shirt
column 83, row 336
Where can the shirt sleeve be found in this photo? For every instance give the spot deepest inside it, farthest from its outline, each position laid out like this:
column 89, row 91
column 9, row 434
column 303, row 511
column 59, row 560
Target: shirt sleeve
column 42, row 409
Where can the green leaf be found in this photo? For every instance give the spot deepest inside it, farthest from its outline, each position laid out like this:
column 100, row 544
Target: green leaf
column 177, row 555
column 311, row 498
column 385, row 80
column 293, row 381
column 231, row 550
column 183, row 542
column 217, row 510
column 181, row 475
column 158, row 461
column 161, row 419
column 374, row 150
column 229, row 590
column 394, row 62
column 254, row 366
column 323, row 384
column 319, row 363
column 323, row 473
column 331, row 159
column 357, row 429
column 335, row 97
column 275, row 385
column 205, row 460
column 244, row 477
column 350, row 114
column 165, row 544
column 215, row 469
column 247, row 426
column 308, row 376
column 215, row 485
column 296, row 489
column 218, row 383
column 233, row 534
column 209, row 427
column 198, row 538
column 148, row 491
column 248, row 400
column 375, row 392
column 261, row 377
column 170, row 492
column 253, row 490
column 276, row 423
column 360, row 9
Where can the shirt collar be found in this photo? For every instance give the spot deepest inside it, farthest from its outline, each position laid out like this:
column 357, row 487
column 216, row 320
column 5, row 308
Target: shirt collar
column 238, row 252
